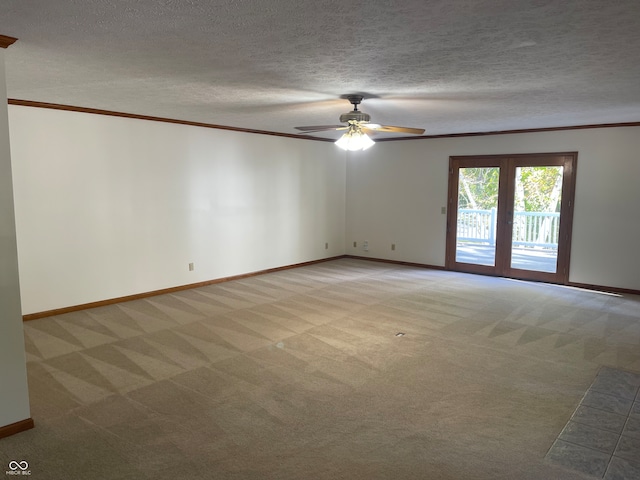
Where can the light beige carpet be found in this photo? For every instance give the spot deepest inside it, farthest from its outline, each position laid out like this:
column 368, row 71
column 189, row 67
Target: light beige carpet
column 300, row 375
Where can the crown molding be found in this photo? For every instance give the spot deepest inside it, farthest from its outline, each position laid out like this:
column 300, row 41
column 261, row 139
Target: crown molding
column 508, row 132
column 110, row 113
column 96, row 111
column 6, row 41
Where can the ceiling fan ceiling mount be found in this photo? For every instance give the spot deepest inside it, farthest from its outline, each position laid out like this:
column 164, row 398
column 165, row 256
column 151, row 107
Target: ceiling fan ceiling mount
column 355, row 100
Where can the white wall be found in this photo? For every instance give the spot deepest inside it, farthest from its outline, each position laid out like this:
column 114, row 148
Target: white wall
column 108, row 207
column 395, row 192
column 14, row 395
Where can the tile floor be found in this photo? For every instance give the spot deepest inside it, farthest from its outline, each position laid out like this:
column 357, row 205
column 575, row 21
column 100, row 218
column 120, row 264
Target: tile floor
column 602, row 438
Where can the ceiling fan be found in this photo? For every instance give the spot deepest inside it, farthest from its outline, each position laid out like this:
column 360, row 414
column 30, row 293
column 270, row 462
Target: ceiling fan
column 358, row 127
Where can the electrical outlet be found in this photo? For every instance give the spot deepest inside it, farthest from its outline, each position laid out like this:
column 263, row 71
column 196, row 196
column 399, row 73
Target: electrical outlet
column 443, row 210
column 191, row 267
column 355, row 244
column 326, row 245
column 393, row 246
column 365, row 245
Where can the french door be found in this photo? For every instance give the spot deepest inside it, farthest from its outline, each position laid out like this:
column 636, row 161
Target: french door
column 511, row 215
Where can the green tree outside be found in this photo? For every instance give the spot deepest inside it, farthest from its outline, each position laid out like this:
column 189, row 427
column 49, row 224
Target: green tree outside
column 537, row 188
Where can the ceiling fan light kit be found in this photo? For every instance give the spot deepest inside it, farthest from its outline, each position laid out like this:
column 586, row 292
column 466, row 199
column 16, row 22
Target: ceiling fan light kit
column 358, row 126
column 354, row 140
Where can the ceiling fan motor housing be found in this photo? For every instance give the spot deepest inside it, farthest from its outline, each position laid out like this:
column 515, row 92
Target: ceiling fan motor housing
column 355, row 116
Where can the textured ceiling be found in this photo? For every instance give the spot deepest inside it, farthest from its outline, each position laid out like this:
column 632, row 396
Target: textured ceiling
column 449, row 66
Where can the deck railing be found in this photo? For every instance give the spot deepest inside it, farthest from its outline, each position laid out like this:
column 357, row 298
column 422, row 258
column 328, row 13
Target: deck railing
column 530, row 229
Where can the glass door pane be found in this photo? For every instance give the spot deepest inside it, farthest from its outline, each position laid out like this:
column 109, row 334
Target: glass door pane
column 536, row 218
column 477, row 215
